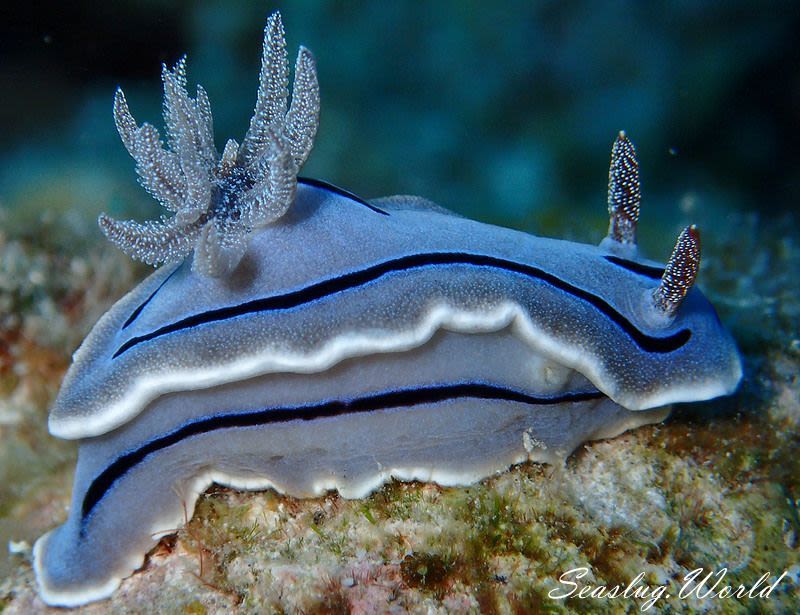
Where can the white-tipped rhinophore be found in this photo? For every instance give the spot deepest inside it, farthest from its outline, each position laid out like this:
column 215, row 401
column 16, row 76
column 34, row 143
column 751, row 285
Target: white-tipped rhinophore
column 680, row 272
column 624, row 196
column 217, row 201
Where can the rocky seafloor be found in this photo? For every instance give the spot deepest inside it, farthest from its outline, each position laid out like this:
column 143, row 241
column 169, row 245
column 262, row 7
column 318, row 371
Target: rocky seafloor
column 714, row 487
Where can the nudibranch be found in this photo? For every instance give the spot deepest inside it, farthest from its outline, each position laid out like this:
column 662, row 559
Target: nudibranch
column 318, row 341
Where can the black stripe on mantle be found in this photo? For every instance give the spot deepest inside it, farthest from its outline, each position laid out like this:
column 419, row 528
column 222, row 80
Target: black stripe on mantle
column 323, row 185
column 353, row 279
column 401, row 398
column 649, row 271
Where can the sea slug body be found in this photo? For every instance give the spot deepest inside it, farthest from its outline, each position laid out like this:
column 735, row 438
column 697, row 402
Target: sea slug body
column 301, row 338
